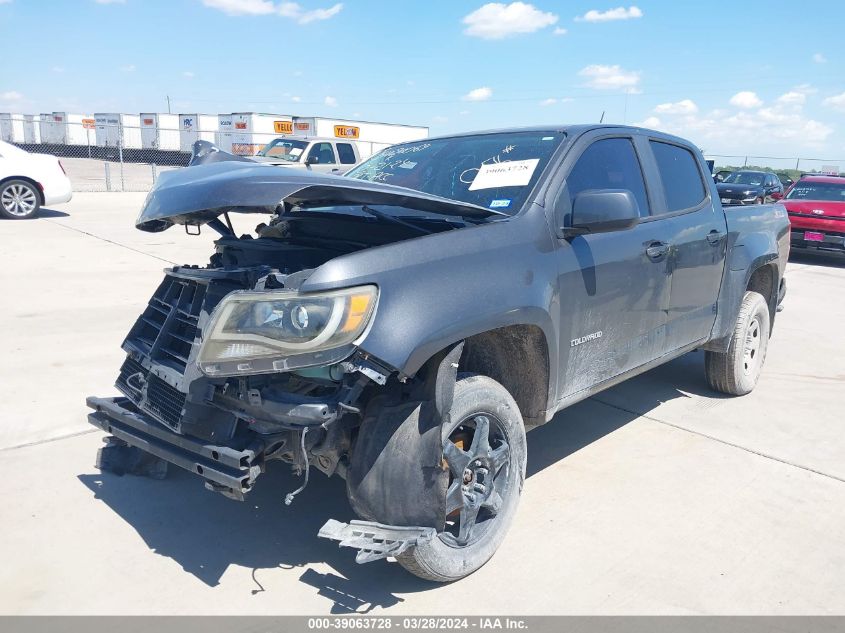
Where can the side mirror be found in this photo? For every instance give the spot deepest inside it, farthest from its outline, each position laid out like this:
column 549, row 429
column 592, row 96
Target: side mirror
column 776, row 195
column 718, row 178
column 312, row 159
column 602, row 211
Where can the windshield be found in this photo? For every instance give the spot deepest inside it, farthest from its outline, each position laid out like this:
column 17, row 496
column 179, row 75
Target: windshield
column 284, row 148
column 827, row 191
column 745, row 178
column 496, row 171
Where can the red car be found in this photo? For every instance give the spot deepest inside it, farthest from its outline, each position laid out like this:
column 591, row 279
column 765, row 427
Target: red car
column 816, row 207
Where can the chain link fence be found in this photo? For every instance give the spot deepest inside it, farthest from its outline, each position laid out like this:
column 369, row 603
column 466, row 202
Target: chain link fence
column 113, row 156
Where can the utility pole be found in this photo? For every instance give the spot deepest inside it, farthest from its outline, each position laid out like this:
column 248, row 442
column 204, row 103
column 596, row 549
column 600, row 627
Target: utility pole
column 601, row 120
column 168, row 104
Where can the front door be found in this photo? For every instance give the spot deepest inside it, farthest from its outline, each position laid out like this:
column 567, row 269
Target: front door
column 321, row 158
column 614, row 287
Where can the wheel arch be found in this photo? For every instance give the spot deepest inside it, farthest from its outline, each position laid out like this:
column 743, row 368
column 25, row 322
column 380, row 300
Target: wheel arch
column 517, row 357
column 36, row 185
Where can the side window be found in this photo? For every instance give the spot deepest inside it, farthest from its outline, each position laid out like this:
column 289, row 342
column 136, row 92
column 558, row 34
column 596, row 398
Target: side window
column 680, row 175
column 609, row 163
column 346, row 153
column 322, row 154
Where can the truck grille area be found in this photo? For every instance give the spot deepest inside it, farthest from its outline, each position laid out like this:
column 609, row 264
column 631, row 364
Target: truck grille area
column 151, row 394
column 168, row 326
column 160, row 375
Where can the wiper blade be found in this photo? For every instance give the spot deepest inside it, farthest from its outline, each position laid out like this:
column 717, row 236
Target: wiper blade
column 389, row 218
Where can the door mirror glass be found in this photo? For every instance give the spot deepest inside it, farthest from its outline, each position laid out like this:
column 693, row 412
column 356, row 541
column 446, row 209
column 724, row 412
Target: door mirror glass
column 603, row 210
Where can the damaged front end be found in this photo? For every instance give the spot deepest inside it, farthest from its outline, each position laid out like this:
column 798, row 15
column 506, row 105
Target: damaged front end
column 224, row 420
column 233, row 365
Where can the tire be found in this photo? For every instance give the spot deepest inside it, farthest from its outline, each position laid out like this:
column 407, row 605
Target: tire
column 736, row 371
column 19, row 200
column 445, row 558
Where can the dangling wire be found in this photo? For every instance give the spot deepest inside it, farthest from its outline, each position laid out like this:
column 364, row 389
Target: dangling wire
column 289, row 497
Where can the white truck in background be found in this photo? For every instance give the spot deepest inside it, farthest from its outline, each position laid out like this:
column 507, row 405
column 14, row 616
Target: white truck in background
column 332, row 145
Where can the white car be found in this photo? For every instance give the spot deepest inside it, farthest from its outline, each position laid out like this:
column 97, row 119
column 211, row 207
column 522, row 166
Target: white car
column 28, row 181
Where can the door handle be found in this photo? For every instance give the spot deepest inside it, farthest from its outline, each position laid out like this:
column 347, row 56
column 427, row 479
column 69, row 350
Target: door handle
column 657, row 250
column 714, row 237
column 334, row 171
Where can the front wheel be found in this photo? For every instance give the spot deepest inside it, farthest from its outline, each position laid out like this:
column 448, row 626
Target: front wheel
column 484, row 449
column 18, row 200
column 736, row 371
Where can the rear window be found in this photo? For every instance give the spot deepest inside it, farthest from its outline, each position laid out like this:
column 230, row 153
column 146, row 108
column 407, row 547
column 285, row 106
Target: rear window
column 825, row 191
column 346, row 153
column 680, row 175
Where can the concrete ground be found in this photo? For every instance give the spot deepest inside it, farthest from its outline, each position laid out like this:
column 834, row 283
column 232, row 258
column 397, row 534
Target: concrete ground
column 655, row 497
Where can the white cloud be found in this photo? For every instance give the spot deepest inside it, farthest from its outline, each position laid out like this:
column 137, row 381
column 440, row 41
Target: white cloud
column 651, row 122
column 11, row 95
column 304, row 17
column 495, row 21
column 58, row 69
column 290, row 10
column 559, row 30
column 478, row 94
column 110, row 1
column 5, row 1
column 792, row 98
column 464, row 112
column 548, row 102
column 296, row 99
column 440, row 119
column 837, row 102
column 686, row 106
column 746, row 99
column 188, row 74
column 129, row 68
column 819, row 58
column 782, row 128
column 610, row 77
column 619, row 13
column 331, row 102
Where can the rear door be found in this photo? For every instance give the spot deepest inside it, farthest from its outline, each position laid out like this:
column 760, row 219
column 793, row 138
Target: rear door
column 698, row 238
column 614, row 287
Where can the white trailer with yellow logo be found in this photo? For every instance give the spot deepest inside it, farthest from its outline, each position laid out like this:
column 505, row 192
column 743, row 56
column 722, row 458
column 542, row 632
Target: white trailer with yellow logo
column 252, row 130
column 369, row 137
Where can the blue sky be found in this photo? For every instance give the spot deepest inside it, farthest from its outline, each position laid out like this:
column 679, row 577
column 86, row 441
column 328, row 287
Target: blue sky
column 756, row 77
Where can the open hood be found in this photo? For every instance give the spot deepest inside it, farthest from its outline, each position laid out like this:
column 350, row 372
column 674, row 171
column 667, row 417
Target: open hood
column 198, row 194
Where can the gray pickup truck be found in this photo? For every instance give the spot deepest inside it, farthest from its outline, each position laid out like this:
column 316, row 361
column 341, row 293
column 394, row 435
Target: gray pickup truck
column 404, row 326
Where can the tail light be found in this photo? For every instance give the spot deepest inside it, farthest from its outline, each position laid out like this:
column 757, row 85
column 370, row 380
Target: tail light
column 62, row 167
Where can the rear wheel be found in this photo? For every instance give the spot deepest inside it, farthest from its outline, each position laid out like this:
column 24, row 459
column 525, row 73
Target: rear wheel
column 736, row 371
column 484, row 449
column 19, row 200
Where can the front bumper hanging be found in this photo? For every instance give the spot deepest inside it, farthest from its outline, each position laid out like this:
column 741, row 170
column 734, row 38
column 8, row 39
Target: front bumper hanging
column 374, row 540
column 225, row 469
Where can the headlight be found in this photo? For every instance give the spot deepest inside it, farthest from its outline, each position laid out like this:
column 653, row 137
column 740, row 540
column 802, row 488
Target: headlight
column 256, row 332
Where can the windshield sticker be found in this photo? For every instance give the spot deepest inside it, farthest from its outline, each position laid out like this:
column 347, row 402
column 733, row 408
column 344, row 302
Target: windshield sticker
column 515, row 173
column 295, row 151
column 548, row 138
column 407, row 164
column 500, row 204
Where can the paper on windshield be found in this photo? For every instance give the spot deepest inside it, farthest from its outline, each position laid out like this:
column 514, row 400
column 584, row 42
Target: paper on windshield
column 514, row 173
